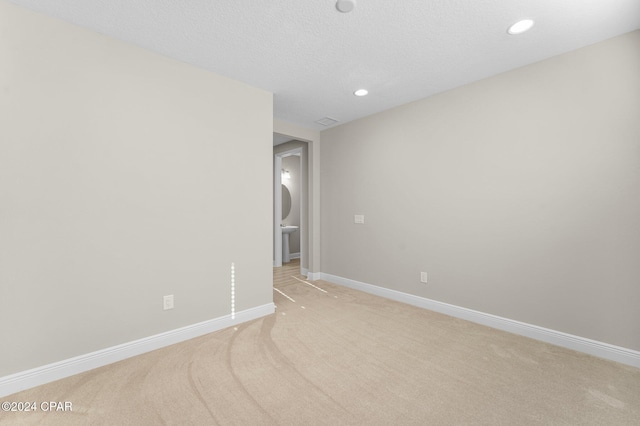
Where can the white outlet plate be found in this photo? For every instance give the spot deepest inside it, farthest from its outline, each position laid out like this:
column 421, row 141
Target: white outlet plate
column 358, row 218
column 167, row 302
column 423, row 277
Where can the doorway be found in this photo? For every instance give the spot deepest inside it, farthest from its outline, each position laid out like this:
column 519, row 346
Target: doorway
column 290, row 203
column 284, row 136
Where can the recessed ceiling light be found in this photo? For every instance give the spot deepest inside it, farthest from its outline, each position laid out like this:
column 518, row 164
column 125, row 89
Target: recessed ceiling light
column 361, row 92
column 521, row 26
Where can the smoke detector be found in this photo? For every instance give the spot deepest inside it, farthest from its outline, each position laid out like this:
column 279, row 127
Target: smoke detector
column 345, row 6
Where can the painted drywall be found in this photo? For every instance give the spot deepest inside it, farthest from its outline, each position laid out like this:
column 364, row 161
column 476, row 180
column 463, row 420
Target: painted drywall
column 518, row 194
column 124, row 176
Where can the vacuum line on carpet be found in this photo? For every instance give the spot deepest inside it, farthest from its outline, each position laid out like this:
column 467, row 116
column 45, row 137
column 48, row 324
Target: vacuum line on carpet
column 308, row 283
column 275, row 289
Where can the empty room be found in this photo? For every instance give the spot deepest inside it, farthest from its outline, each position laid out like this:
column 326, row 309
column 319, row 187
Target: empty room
column 353, row 212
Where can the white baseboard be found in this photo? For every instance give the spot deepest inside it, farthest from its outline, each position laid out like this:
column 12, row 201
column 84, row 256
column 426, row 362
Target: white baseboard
column 69, row 367
column 313, row 276
column 558, row 338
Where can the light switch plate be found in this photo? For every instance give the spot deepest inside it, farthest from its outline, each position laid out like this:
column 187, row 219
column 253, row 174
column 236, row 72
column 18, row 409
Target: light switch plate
column 359, row 218
column 167, row 302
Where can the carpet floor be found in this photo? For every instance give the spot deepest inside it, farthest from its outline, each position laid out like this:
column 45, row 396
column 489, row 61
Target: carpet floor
column 335, row 356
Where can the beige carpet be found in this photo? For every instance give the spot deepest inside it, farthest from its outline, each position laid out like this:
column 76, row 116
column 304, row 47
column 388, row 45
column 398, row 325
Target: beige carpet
column 336, row 356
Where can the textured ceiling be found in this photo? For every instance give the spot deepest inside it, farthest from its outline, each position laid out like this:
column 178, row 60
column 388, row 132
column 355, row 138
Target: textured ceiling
column 313, row 57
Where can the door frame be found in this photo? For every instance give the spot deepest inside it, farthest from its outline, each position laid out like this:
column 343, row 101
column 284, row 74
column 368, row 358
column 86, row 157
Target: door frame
column 277, row 211
column 312, row 138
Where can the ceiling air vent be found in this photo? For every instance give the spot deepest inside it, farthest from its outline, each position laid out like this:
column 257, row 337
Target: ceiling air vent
column 326, row 121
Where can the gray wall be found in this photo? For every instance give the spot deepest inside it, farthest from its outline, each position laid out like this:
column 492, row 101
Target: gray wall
column 518, row 194
column 124, row 176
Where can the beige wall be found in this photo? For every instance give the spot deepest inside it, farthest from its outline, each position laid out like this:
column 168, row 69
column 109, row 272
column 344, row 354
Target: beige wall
column 124, row 176
column 518, row 194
